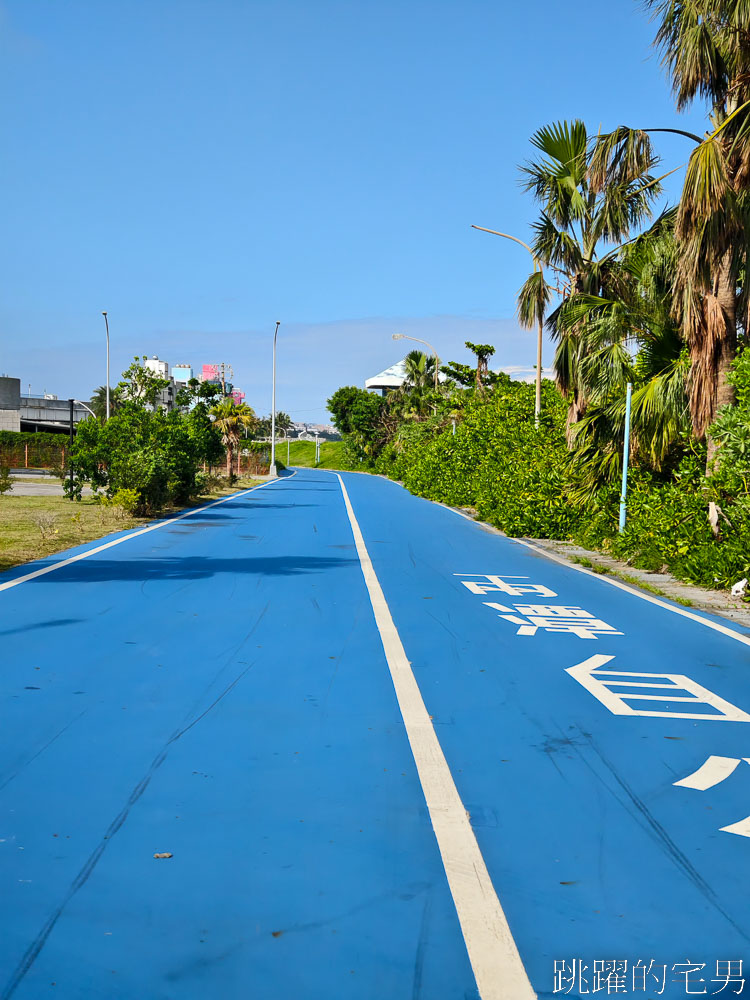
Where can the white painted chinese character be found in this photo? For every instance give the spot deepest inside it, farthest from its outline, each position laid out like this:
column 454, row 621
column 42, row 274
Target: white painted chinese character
column 640, row 971
column 496, row 584
column 690, row 973
column 610, row 975
column 569, row 976
column 554, row 618
column 729, row 971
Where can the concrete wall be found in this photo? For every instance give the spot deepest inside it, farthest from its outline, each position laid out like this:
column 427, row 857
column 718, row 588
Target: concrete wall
column 10, row 393
column 10, row 420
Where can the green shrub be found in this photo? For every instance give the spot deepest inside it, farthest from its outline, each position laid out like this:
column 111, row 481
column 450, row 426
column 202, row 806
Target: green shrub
column 6, row 483
column 522, row 480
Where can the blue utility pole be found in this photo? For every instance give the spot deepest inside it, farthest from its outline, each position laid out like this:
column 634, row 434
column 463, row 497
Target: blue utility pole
column 625, row 456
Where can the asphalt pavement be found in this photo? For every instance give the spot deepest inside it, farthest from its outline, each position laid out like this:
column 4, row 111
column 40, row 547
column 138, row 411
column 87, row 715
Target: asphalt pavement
column 323, row 739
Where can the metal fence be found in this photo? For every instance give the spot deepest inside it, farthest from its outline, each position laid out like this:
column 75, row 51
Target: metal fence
column 33, row 455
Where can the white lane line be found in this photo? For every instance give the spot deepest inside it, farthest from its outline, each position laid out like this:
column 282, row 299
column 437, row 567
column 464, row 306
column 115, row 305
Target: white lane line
column 714, row 770
column 126, row 538
column 716, row 626
column 493, row 954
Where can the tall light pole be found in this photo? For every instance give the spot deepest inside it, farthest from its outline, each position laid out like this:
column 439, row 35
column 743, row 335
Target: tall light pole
column 404, row 336
column 540, row 320
column 272, row 470
column 106, row 325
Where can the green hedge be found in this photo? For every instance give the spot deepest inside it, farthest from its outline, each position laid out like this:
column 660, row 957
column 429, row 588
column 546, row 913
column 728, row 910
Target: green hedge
column 12, row 439
column 520, row 479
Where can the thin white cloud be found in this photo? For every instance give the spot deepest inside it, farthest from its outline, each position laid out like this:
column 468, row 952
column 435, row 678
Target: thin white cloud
column 313, row 359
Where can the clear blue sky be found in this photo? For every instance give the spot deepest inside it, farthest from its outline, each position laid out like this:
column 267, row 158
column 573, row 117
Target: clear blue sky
column 201, row 168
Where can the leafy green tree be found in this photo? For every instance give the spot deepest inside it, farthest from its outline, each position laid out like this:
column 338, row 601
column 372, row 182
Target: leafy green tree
column 138, row 449
column 477, row 375
column 483, row 354
column 140, row 385
column 205, row 438
column 142, row 451
column 356, row 410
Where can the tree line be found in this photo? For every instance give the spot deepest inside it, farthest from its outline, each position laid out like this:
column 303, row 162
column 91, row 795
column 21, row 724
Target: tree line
column 630, row 291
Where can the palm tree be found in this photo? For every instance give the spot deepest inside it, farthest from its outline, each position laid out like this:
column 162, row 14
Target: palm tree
column 574, row 238
column 419, row 369
column 98, row 401
column 284, row 422
column 415, row 397
column 705, row 47
column 634, row 339
column 230, row 420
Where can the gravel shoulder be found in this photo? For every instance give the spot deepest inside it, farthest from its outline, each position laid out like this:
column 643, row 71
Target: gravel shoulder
column 717, row 602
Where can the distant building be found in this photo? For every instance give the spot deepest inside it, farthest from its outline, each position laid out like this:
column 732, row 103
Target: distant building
column 160, row 368
column 391, row 378
column 10, row 404
column 182, row 373
column 35, row 413
column 308, row 432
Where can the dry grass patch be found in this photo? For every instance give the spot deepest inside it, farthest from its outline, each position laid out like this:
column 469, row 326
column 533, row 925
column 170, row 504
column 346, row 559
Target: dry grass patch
column 34, row 527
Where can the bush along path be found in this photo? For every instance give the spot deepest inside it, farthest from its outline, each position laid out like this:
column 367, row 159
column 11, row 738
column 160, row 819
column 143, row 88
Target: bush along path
column 482, row 451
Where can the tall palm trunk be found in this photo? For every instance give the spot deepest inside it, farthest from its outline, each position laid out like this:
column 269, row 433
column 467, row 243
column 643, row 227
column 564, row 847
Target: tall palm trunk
column 719, row 352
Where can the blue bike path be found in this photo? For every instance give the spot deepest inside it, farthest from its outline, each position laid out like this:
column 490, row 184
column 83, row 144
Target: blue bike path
column 595, row 853
column 214, row 690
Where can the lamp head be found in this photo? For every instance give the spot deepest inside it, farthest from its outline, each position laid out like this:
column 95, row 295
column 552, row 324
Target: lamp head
column 399, row 336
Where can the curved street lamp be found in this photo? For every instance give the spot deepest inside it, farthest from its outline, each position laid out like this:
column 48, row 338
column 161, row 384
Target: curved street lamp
column 404, row 336
column 78, row 401
column 540, row 319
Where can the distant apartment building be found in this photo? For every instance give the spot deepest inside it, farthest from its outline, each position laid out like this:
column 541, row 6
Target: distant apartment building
column 308, row 432
column 159, row 368
column 182, row 373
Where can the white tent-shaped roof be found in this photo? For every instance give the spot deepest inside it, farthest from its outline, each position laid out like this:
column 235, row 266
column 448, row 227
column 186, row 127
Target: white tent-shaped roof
column 391, row 378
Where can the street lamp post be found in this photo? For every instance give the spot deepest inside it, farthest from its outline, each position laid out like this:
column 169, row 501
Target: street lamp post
column 79, row 403
column 272, row 470
column 106, row 325
column 540, row 320
column 404, row 336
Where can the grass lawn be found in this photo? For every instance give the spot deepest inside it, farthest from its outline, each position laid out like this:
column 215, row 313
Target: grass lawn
column 34, row 527
column 302, row 453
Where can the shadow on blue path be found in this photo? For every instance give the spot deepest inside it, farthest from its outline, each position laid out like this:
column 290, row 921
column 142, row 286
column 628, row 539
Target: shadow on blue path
column 52, row 623
column 187, row 568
